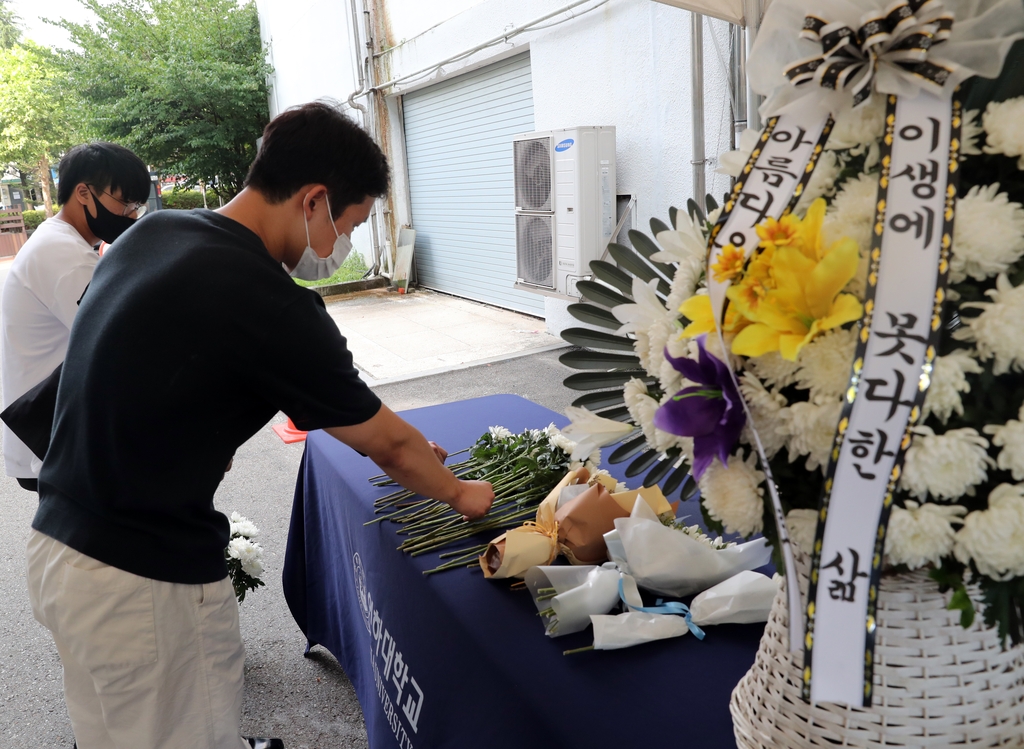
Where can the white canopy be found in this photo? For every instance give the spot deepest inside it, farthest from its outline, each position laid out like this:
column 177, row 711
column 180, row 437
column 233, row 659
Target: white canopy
column 727, row 10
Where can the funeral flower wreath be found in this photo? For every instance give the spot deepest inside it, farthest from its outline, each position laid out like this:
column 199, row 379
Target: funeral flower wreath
column 790, row 333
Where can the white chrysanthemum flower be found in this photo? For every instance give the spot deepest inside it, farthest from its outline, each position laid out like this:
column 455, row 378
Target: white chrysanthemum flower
column 642, row 407
column 765, row 408
column 852, row 213
column 236, row 517
column 684, row 283
column 997, row 332
column 988, row 236
column 825, row 364
column 733, row 495
column 732, row 162
column 658, row 337
column 949, row 379
column 249, row 553
column 946, row 466
column 499, row 433
column 1010, row 437
column 921, row 534
column 802, row 526
column 714, row 215
column 858, row 126
column 810, row 429
column 994, row 538
column 1004, row 128
column 970, row 133
column 639, row 317
column 773, row 369
column 822, row 182
column 563, row 443
column 245, row 528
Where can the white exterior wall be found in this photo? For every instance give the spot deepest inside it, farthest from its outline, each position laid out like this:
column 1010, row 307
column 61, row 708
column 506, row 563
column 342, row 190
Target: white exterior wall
column 625, row 64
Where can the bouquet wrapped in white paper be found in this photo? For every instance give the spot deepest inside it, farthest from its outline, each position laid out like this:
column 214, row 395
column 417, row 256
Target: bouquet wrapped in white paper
column 672, row 562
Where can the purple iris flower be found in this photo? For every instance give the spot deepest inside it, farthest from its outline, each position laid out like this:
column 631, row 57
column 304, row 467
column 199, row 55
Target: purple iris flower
column 711, row 411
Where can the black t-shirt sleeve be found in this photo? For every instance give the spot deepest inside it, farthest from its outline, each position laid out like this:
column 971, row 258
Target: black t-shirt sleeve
column 306, row 370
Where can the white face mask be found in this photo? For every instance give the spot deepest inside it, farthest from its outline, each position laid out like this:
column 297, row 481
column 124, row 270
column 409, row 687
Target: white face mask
column 312, row 267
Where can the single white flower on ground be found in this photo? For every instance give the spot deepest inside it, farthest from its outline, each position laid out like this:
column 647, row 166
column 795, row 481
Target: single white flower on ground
column 988, row 236
column 1004, row 128
column 802, row 526
column 852, row 213
column 946, row 466
column 825, row 364
column 822, row 183
column 970, row 133
column 949, row 379
column 997, row 332
column 1010, row 437
column 773, row 369
column 810, row 429
column 592, row 431
column 994, row 538
column 765, row 407
column 732, row 162
column 921, row 534
column 733, row 495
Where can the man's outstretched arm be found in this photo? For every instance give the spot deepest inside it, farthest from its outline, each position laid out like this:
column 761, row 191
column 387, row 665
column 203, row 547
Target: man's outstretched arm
column 406, row 456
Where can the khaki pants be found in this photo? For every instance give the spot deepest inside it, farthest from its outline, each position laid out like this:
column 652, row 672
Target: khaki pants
column 147, row 664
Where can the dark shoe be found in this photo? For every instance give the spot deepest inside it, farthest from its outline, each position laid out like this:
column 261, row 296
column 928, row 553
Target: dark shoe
column 256, row 743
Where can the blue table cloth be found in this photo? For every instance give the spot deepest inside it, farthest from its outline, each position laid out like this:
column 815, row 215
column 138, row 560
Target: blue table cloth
column 454, row 660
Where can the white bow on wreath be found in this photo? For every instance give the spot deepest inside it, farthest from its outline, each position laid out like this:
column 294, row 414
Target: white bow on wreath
column 830, row 55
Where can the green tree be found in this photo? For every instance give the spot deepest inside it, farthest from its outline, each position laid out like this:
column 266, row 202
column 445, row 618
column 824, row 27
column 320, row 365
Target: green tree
column 181, row 83
column 10, row 30
column 36, row 125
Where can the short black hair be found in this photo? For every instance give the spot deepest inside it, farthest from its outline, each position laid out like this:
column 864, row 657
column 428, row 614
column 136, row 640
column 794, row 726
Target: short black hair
column 106, row 166
column 318, row 144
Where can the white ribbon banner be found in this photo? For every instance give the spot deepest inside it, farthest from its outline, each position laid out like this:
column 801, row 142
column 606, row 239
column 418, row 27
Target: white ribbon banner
column 771, row 183
column 891, row 372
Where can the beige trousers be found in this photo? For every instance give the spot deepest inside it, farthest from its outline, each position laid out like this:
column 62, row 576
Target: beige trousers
column 147, row 664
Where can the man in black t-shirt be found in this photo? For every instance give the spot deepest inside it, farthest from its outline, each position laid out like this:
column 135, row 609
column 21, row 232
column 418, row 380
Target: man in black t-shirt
column 126, row 559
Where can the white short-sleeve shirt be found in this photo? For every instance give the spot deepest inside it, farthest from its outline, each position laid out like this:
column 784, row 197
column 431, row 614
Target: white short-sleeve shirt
column 40, row 299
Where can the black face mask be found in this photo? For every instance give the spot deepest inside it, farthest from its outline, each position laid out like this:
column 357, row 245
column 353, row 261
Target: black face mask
column 106, row 225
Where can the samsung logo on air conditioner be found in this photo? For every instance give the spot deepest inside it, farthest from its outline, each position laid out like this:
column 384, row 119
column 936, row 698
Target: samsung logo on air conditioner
column 565, row 145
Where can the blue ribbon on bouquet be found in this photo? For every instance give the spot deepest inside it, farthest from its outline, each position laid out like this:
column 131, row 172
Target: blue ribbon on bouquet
column 660, row 607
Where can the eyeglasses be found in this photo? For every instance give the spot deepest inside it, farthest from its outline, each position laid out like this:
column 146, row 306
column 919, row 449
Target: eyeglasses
column 135, row 210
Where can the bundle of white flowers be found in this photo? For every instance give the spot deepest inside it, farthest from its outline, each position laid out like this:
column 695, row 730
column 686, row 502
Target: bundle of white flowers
column 244, row 556
column 960, row 508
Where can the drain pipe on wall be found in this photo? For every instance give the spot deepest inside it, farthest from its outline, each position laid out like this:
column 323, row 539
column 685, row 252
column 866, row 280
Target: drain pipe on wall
column 698, row 161
column 752, row 10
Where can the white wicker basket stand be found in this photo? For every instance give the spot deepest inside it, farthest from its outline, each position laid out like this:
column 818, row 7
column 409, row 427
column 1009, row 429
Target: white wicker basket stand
column 935, row 683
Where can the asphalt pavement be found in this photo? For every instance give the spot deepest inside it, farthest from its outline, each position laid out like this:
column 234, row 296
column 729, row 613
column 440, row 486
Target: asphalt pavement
column 307, row 701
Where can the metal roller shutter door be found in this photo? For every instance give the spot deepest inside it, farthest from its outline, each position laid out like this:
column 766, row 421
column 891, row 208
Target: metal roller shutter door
column 458, row 137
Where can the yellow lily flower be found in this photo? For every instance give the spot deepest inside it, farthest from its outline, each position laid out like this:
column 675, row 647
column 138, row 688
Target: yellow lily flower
column 792, row 292
column 697, row 309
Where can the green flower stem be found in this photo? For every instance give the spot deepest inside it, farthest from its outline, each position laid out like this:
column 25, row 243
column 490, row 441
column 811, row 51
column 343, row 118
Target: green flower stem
column 475, row 550
column 546, row 612
column 577, row 650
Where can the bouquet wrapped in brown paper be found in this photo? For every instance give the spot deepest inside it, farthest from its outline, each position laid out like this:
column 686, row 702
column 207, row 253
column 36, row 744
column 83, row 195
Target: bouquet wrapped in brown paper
column 571, row 520
column 534, row 543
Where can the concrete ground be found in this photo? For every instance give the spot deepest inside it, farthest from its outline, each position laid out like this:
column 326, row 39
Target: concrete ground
column 396, row 336
column 308, row 702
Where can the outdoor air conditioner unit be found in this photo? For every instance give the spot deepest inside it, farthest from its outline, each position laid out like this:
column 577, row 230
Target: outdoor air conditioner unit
column 565, row 205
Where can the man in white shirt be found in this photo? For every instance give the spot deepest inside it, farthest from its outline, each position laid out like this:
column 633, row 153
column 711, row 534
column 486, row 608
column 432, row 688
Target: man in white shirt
column 103, row 190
